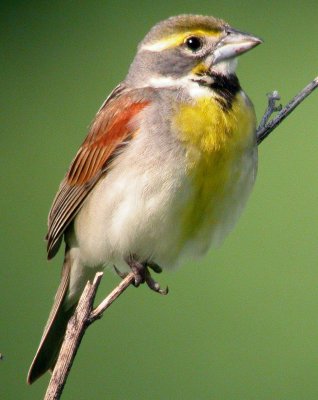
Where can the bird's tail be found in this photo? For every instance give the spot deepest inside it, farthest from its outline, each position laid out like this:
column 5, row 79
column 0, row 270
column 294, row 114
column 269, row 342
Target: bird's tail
column 54, row 331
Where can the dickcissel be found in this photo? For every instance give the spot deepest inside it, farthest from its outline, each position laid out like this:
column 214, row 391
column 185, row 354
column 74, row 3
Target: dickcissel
column 164, row 171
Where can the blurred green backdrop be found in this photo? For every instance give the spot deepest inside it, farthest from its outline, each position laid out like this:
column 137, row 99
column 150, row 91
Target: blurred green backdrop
column 240, row 324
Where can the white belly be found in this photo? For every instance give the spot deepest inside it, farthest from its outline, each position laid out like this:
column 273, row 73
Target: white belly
column 137, row 209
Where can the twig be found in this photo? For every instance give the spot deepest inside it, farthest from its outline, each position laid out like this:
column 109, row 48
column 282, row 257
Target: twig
column 85, row 315
column 271, row 108
column 266, row 127
column 99, row 310
column 76, row 328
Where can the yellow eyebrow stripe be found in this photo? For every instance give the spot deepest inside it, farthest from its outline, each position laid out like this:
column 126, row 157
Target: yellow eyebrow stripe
column 177, row 39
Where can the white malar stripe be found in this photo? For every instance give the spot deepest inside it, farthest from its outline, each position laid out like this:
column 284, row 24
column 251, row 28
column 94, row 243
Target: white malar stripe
column 194, row 89
column 189, row 83
column 226, row 67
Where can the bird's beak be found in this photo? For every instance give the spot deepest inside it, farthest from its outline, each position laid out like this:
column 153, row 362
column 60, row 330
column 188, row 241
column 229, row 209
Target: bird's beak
column 234, row 44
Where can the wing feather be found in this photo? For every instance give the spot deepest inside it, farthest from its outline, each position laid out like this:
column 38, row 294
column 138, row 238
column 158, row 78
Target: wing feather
column 113, row 128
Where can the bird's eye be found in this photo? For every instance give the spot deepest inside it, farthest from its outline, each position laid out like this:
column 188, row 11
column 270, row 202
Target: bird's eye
column 194, row 43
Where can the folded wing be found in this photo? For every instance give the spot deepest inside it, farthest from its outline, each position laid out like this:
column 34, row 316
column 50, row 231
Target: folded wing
column 114, row 126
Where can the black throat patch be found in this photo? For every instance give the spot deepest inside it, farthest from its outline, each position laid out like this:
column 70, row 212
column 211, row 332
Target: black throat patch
column 226, row 87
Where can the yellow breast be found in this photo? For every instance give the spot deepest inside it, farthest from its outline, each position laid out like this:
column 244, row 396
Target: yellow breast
column 215, row 139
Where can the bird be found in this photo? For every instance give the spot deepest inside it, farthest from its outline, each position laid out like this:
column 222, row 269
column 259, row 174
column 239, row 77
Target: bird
column 164, row 172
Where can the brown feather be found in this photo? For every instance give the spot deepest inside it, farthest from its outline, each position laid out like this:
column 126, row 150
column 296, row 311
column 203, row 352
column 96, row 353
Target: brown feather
column 110, row 131
column 110, row 128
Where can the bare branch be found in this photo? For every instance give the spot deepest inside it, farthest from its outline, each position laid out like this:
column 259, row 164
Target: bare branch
column 73, row 336
column 84, row 316
column 266, row 126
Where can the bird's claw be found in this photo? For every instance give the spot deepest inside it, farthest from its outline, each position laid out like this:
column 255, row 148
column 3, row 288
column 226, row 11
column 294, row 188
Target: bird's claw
column 119, row 273
column 142, row 274
column 153, row 285
column 155, row 267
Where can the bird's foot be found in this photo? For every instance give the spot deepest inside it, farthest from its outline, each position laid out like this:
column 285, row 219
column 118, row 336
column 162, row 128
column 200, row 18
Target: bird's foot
column 142, row 274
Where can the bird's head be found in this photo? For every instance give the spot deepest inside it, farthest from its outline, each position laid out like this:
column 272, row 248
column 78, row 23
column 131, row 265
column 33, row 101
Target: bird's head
column 188, row 47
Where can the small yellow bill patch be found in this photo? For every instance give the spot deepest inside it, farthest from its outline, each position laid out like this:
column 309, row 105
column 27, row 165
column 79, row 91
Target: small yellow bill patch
column 201, row 68
column 215, row 139
column 177, row 39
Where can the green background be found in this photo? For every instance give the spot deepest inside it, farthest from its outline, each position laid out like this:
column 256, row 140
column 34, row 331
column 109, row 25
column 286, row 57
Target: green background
column 240, row 324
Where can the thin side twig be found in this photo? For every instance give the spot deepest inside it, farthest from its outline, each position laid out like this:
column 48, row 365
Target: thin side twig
column 266, row 126
column 272, row 97
column 99, row 310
